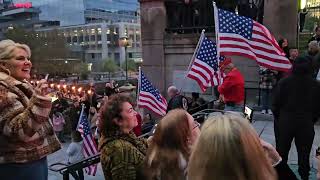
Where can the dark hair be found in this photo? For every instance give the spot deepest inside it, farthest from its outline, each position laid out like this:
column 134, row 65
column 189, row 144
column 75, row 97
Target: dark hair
column 302, row 65
column 169, row 140
column 316, row 28
column 111, row 110
column 76, row 136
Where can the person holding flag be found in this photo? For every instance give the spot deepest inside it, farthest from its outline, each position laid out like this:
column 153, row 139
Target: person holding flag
column 89, row 145
column 232, row 89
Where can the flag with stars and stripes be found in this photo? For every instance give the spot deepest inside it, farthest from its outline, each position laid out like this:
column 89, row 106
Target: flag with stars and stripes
column 242, row 36
column 204, row 69
column 89, row 145
column 150, row 97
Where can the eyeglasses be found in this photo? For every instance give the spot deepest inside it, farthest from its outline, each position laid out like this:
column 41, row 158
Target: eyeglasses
column 195, row 125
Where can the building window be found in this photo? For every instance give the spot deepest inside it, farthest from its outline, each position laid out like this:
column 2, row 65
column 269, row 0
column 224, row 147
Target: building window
column 68, row 39
column 99, row 37
column 92, row 55
column 87, row 38
column 130, row 55
column 93, row 38
column 80, row 38
column 74, row 39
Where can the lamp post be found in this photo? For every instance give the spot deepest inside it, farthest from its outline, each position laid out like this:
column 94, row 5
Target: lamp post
column 123, row 42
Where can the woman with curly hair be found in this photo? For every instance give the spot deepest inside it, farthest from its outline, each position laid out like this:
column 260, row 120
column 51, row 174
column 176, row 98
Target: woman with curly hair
column 122, row 153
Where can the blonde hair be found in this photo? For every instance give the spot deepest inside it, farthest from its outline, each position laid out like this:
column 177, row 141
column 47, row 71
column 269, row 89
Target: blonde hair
column 229, row 148
column 7, row 48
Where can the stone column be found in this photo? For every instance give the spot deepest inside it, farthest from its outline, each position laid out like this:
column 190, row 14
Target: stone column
column 153, row 24
column 281, row 18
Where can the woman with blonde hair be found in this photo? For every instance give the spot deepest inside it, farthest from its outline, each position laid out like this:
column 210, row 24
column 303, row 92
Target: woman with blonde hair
column 229, row 148
column 26, row 134
column 170, row 147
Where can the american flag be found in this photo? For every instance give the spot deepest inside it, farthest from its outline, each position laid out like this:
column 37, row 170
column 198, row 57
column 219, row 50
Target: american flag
column 150, row 97
column 89, row 145
column 241, row 36
column 204, row 68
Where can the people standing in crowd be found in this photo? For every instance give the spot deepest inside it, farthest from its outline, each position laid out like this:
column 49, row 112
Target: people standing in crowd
column 316, row 36
column 74, row 150
column 171, row 145
column 316, row 67
column 110, row 89
column 26, row 134
column 313, row 48
column 293, row 54
column 295, row 109
column 176, row 100
column 147, row 124
column 122, row 153
column 58, row 123
column 268, row 80
column 232, row 89
column 197, row 103
column 229, row 148
column 284, row 45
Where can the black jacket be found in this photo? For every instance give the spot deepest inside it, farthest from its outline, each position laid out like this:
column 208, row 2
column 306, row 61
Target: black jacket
column 296, row 98
column 177, row 102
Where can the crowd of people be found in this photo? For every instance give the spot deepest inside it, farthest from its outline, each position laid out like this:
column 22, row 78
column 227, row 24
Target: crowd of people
column 224, row 147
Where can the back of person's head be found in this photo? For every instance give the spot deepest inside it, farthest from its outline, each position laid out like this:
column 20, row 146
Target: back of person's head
column 76, row 136
column 302, row 65
column 169, row 146
column 229, row 148
column 313, row 48
column 195, row 95
column 172, row 91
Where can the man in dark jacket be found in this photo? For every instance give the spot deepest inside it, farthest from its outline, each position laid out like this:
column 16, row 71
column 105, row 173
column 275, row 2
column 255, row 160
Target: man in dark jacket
column 316, row 37
column 176, row 100
column 295, row 111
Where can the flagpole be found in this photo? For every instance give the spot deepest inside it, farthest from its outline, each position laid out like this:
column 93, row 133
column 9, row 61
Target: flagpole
column 80, row 116
column 139, row 84
column 216, row 25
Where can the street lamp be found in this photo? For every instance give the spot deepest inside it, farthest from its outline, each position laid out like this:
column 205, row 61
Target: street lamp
column 123, row 42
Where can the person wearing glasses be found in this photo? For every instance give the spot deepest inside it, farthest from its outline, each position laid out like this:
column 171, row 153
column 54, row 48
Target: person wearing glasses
column 26, row 134
column 171, row 145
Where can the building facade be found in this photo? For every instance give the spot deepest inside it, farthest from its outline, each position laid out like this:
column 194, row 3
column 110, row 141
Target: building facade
column 313, row 7
column 92, row 28
column 75, row 12
column 97, row 42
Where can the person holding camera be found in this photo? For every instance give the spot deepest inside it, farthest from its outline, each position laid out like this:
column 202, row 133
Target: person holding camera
column 26, row 134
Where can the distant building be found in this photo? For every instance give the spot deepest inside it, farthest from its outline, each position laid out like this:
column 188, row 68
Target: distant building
column 75, row 12
column 313, row 7
column 96, row 42
column 23, row 15
column 92, row 28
